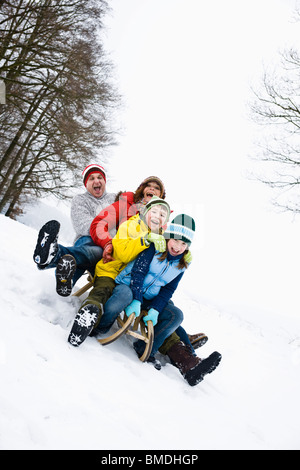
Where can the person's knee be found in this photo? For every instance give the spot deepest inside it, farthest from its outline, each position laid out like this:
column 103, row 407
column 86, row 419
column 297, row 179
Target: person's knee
column 177, row 313
column 126, row 294
column 120, row 299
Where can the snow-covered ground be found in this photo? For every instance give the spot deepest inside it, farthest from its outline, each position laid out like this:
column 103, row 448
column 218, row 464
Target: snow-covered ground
column 55, row 396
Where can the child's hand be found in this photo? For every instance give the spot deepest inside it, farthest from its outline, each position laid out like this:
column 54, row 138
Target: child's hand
column 188, row 257
column 134, row 307
column 107, row 253
column 152, row 315
column 158, row 240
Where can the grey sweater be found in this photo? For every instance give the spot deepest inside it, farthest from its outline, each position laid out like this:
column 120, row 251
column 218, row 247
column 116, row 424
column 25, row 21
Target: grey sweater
column 84, row 208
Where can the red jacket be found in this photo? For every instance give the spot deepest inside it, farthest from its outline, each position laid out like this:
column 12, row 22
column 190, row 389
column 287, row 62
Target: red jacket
column 111, row 217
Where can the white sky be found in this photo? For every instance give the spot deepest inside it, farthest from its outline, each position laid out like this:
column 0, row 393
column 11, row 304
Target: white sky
column 184, row 68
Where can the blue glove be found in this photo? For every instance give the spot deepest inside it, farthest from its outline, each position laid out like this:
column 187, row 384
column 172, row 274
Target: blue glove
column 134, row 307
column 152, row 315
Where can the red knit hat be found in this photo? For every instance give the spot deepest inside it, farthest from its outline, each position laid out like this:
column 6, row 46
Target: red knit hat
column 94, row 168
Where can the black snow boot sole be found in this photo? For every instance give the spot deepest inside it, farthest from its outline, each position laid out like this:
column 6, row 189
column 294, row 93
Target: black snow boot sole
column 206, row 366
column 65, row 271
column 84, row 323
column 46, row 246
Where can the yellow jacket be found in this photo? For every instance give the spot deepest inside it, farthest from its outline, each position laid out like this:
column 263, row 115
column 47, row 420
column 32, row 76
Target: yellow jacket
column 127, row 243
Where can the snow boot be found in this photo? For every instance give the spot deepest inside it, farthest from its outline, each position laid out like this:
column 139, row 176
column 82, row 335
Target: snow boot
column 46, row 246
column 151, row 359
column 190, row 366
column 198, row 340
column 154, row 362
column 84, row 322
column 65, row 271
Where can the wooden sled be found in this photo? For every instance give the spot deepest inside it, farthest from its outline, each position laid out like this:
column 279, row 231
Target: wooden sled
column 87, row 286
column 130, row 327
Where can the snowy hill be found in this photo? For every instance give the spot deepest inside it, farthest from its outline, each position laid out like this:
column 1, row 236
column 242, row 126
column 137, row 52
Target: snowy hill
column 55, row 396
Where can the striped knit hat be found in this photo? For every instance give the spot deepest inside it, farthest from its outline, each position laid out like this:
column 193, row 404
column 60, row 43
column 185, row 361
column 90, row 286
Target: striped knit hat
column 94, row 168
column 154, row 201
column 181, row 228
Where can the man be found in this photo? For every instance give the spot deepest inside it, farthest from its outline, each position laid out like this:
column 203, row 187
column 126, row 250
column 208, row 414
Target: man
column 72, row 262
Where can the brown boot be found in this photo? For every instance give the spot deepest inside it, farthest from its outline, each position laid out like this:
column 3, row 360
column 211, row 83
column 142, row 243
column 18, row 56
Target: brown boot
column 198, row 340
column 192, row 367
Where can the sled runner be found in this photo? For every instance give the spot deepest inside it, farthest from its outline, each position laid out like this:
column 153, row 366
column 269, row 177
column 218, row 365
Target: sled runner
column 146, row 333
column 134, row 327
column 86, row 287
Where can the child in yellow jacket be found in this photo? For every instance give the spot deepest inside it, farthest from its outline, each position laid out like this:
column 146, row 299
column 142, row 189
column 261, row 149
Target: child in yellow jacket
column 133, row 237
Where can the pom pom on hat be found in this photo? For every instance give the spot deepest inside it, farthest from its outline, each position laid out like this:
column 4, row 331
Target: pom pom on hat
column 181, row 228
column 94, row 168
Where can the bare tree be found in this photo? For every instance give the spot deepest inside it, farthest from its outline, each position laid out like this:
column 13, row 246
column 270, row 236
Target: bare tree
column 58, row 95
column 277, row 108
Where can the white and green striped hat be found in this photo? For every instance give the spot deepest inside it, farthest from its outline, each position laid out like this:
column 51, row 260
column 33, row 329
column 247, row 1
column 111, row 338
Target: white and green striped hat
column 181, row 228
column 154, row 201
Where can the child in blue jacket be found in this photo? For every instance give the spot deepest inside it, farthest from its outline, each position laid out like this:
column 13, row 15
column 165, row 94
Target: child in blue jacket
column 153, row 278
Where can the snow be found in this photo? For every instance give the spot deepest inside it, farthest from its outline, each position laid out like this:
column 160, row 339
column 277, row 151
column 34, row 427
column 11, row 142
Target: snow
column 55, row 396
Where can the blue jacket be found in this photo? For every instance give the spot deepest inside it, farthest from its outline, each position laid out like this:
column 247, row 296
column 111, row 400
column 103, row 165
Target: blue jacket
column 152, row 279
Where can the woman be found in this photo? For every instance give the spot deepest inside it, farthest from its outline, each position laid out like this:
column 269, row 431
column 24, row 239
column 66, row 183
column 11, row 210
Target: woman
column 105, row 225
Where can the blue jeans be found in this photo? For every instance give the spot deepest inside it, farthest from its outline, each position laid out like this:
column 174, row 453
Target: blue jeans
column 86, row 254
column 184, row 337
column 168, row 321
column 120, row 298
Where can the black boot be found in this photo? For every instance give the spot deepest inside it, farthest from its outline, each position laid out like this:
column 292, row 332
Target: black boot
column 65, row 271
column 151, row 359
column 84, row 322
column 46, row 246
column 192, row 367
